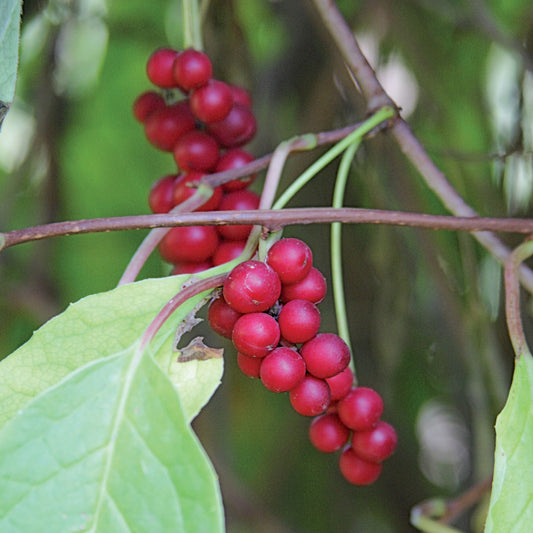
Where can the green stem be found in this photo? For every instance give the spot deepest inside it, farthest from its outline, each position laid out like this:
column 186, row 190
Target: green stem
column 192, row 25
column 424, row 516
column 336, row 249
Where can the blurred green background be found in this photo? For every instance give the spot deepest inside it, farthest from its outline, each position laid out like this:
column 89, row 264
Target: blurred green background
column 425, row 308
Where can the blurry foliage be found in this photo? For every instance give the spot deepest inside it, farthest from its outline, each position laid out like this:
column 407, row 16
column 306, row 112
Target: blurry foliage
column 426, row 323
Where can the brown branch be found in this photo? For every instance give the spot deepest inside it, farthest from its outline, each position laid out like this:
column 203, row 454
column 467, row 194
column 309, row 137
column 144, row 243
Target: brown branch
column 271, row 219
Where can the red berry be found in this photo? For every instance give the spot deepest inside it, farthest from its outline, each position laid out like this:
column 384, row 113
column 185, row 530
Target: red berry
column 227, row 251
column 238, row 201
column 191, row 268
column 357, row 470
column 183, row 190
column 191, row 69
column 255, row 334
column 146, row 103
column 166, row 125
column 282, row 369
column 241, row 95
column 327, row 433
column 312, row 288
column 232, row 159
column 222, row 317
column 340, row 384
column 291, row 258
column 310, row 397
column 252, row 287
column 376, row 444
column 159, row 67
column 250, row 366
column 360, row 409
column 299, row 321
column 211, row 102
column 236, row 129
column 196, row 150
column 325, row 355
column 189, row 244
column 161, row 197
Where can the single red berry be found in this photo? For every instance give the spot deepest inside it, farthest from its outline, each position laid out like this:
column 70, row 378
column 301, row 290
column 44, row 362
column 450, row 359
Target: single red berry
column 360, row 409
column 196, row 150
column 325, row 355
column 312, row 288
column 291, row 258
column 310, row 397
column 159, row 67
column 255, row 334
column 282, row 370
column 241, row 95
column 327, row 433
column 145, row 104
column 227, row 251
column 250, row 366
column 191, row 69
column 222, row 317
column 189, row 244
column 233, row 159
column 357, row 470
column 211, row 102
column 236, row 129
column 340, row 384
column 191, row 268
column 183, row 189
column 299, row 321
column 237, row 201
column 161, row 197
column 376, row 444
column 166, row 125
column 251, row 287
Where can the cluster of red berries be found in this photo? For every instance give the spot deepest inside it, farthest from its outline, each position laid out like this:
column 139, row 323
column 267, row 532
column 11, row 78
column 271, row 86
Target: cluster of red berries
column 269, row 311
column 204, row 122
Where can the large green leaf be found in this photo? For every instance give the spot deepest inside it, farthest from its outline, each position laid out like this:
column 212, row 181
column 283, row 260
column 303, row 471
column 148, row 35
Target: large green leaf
column 94, row 327
column 107, row 450
column 511, row 504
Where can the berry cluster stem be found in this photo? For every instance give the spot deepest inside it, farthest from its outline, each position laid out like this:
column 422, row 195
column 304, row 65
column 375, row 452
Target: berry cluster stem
column 192, row 25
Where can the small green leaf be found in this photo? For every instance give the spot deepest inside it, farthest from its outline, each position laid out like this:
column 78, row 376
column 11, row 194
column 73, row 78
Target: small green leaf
column 511, row 504
column 108, row 449
column 94, row 327
column 9, row 42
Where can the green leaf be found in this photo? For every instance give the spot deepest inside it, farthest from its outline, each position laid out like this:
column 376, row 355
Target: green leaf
column 108, row 449
column 9, row 42
column 511, row 504
column 94, row 327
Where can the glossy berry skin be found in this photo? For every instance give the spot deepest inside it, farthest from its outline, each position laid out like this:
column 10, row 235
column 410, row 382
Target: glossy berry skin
column 376, row 444
column 241, row 95
column 222, row 317
column 327, row 433
column 236, row 129
column 356, row 470
column 312, row 287
column 227, row 251
column 250, row 366
column 191, row 69
column 299, row 321
column 233, row 159
column 291, row 258
column 145, row 104
column 325, row 355
column 211, row 102
column 360, row 409
column 159, row 67
column 237, row 201
column 161, row 197
column 340, row 384
column 255, row 334
column 183, row 190
column 166, row 125
column 191, row 268
column 196, row 150
column 282, row 369
column 251, row 287
column 189, row 244
column 310, row 397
